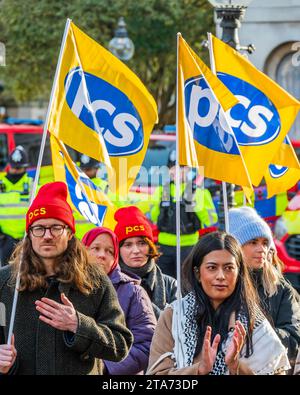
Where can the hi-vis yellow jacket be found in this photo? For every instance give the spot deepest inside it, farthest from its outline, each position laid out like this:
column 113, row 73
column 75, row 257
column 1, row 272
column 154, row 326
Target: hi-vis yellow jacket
column 204, row 209
column 14, row 203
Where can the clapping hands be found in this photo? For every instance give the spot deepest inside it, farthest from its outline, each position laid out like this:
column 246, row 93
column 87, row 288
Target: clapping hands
column 234, row 348
column 209, row 351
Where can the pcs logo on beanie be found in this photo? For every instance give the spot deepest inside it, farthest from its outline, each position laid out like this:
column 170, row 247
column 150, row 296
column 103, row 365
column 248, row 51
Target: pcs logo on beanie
column 131, row 222
column 51, row 202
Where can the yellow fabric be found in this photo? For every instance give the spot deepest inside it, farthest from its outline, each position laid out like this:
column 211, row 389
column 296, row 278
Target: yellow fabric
column 65, row 170
column 280, row 179
column 219, row 165
column 257, row 157
column 84, row 54
column 286, row 155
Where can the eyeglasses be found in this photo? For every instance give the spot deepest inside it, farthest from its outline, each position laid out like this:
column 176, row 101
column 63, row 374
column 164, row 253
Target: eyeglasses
column 55, row 230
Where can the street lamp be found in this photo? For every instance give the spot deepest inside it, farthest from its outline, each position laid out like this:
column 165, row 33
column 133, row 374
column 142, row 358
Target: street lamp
column 231, row 13
column 121, row 45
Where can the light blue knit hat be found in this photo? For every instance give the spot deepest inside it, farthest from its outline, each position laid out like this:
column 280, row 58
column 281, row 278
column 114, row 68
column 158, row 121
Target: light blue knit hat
column 245, row 224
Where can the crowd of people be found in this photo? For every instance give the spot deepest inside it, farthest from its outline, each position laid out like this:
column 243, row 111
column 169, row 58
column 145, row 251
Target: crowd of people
column 104, row 305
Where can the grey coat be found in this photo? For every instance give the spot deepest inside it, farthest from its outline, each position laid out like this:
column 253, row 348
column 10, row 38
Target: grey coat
column 42, row 350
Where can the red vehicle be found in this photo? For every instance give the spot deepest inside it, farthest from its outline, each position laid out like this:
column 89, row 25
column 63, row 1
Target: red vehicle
column 287, row 240
column 28, row 135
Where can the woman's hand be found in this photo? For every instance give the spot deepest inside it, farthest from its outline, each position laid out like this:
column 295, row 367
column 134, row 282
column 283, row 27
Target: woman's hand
column 234, row 348
column 208, row 352
column 59, row 316
column 8, row 355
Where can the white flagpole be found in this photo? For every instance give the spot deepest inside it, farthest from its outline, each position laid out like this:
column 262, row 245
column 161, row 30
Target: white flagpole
column 90, row 108
column 37, row 174
column 213, row 69
column 177, row 188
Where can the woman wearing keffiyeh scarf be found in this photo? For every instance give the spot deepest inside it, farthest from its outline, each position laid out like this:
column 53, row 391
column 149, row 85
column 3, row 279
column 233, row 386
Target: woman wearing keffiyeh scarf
column 222, row 329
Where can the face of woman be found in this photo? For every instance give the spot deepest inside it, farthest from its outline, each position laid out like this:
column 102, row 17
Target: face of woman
column 102, row 251
column 255, row 252
column 134, row 252
column 218, row 275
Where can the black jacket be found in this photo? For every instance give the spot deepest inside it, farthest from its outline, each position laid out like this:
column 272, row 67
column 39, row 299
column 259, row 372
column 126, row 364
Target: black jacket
column 283, row 311
column 44, row 350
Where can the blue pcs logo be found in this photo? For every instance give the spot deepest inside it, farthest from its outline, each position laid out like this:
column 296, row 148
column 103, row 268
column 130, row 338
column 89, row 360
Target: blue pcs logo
column 277, row 171
column 93, row 212
column 107, row 110
column 255, row 119
column 206, row 121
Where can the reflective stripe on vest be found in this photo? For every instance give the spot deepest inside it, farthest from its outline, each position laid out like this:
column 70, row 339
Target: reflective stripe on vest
column 13, row 211
column 171, row 240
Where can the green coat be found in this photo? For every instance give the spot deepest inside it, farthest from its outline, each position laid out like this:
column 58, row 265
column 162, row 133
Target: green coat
column 43, row 350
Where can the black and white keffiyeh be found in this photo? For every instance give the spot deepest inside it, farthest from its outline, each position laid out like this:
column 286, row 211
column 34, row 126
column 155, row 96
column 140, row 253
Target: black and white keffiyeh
column 269, row 355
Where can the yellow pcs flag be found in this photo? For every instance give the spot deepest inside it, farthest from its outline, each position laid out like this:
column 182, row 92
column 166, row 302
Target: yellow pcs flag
column 279, row 179
column 205, row 138
column 286, row 155
column 264, row 114
column 100, row 107
column 91, row 203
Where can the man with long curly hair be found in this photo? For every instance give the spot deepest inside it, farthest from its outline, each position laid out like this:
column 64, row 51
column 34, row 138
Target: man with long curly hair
column 68, row 317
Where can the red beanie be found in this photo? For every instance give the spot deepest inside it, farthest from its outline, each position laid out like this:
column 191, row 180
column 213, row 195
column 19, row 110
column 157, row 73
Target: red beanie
column 51, row 202
column 91, row 235
column 131, row 222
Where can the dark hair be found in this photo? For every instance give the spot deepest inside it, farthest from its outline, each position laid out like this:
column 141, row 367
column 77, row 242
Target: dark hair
column 243, row 298
column 72, row 267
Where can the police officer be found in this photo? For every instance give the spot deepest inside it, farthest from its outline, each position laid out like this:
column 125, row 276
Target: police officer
column 16, row 179
column 15, row 187
column 90, row 167
column 197, row 211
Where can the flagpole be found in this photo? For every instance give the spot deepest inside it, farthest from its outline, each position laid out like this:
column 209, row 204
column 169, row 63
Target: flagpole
column 213, row 69
column 89, row 106
column 36, row 177
column 177, row 187
column 177, row 194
